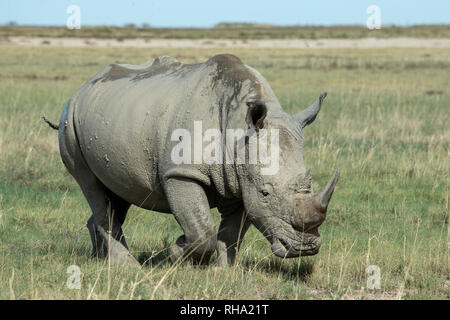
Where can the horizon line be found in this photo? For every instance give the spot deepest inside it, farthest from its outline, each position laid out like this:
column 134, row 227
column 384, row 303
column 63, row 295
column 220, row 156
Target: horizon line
column 216, row 26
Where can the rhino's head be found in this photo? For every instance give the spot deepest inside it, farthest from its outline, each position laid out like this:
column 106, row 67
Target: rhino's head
column 283, row 205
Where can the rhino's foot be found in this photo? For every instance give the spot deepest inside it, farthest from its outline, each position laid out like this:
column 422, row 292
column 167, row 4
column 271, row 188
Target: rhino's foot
column 232, row 229
column 105, row 246
column 176, row 252
column 197, row 253
column 116, row 251
column 224, row 259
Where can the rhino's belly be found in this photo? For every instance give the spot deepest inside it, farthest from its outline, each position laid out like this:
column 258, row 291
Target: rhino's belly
column 127, row 178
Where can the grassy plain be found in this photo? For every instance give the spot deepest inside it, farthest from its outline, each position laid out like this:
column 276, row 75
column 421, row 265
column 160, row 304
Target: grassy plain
column 385, row 124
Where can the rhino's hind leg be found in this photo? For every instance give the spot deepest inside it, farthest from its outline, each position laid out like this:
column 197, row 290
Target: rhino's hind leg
column 108, row 214
column 105, row 224
column 116, row 210
column 108, row 210
column 232, row 229
column 99, row 249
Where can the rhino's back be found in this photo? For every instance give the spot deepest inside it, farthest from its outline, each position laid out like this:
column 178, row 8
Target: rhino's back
column 124, row 117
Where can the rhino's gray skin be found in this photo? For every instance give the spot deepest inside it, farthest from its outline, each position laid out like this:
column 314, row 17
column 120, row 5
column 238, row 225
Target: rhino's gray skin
column 115, row 139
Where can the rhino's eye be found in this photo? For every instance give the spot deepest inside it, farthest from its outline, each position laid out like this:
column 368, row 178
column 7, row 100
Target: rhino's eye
column 264, row 193
column 267, row 189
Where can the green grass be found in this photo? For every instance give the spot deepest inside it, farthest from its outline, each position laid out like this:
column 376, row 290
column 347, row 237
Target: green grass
column 231, row 31
column 384, row 125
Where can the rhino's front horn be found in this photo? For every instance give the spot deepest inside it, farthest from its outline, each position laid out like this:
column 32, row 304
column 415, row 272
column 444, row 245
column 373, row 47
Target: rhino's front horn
column 323, row 198
column 312, row 210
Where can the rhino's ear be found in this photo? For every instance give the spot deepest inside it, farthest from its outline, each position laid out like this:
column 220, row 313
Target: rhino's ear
column 257, row 112
column 307, row 116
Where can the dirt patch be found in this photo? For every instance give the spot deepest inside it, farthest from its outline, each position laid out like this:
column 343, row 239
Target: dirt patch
column 34, row 76
column 434, row 92
column 233, row 43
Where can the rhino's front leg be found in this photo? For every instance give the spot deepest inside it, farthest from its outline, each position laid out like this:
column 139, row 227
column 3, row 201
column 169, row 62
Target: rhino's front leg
column 189, row 205
column 232, row 229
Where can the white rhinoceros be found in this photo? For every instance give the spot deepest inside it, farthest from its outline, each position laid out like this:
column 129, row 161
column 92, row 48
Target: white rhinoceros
column 116, row 137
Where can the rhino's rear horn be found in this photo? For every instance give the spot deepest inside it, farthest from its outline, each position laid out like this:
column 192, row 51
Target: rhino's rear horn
column 307, row 116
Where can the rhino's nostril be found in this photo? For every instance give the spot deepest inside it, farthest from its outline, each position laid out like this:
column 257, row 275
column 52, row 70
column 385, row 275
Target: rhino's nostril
column 290, row 245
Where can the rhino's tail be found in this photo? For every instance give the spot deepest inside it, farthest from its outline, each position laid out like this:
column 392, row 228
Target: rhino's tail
column 52, row 125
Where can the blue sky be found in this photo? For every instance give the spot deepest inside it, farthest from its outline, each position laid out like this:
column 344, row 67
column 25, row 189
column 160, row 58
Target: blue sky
column 206, row 13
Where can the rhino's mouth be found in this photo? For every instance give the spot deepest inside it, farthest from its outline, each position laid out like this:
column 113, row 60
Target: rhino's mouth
column 287, row 248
